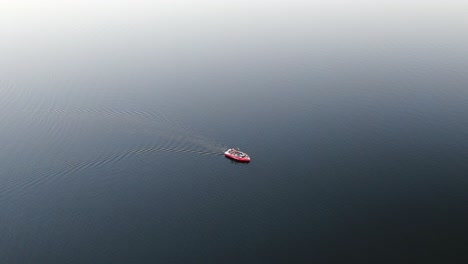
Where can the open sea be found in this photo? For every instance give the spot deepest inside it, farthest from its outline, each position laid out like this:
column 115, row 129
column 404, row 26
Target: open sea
column 114, row 118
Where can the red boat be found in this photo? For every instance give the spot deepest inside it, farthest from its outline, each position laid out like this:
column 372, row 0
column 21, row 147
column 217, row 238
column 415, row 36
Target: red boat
column 236, row 154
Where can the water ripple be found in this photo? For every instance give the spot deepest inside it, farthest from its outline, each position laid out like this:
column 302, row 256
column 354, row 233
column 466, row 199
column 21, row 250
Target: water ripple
column 62, row 127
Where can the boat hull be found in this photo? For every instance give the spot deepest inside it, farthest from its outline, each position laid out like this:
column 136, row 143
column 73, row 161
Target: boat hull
column 233, row 156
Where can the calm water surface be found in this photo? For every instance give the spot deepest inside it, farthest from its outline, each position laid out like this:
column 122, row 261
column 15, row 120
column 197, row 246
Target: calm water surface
column 114, row 120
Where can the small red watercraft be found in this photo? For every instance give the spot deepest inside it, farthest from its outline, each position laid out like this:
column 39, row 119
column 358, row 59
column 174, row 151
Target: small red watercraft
column 236, row 154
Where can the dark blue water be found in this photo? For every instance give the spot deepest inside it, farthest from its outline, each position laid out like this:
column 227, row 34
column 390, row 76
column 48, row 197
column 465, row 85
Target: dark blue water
column 114, row 120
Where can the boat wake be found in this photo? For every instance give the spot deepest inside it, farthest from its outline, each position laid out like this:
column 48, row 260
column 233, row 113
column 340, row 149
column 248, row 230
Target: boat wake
column 69, row 141
column 56, row 135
